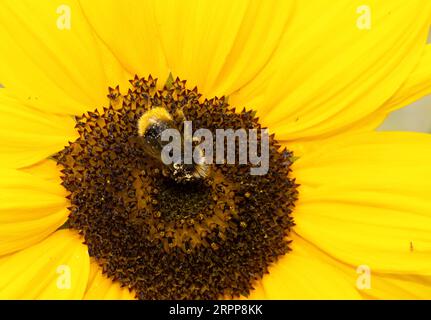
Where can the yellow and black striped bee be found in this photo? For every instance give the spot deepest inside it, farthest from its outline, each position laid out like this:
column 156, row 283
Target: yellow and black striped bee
column 150, row 128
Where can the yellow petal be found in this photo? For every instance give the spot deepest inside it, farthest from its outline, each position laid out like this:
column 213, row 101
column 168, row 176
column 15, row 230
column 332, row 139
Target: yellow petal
column 46, row 169
column 31, row 208
column 369, row 123
column 197, row 36
column 364, row 199
column 56, row 268
column 101, row 287
column 307, row 273
column 28, row 135
column 329, row 73
column 395, row 287
column 129, row 30
column 257, row 39
column 219, row 47
column 258, row 292
column 51, row 56
column 417, row 85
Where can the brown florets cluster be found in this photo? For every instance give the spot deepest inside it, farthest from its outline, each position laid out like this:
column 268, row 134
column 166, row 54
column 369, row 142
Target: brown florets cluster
column 203, row 240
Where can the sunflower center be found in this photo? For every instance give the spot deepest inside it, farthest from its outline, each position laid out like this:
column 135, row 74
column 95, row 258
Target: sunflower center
column 169, row 233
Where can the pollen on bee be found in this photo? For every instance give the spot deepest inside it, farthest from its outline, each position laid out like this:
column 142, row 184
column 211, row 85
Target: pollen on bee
column 152, row 117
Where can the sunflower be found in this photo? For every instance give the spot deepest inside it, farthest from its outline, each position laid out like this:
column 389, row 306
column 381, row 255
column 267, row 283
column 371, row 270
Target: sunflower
column 344, row 212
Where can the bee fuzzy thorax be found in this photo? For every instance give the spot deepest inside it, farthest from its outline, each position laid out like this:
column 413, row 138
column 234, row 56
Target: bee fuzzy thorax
column 155, row 117
column 151, row 125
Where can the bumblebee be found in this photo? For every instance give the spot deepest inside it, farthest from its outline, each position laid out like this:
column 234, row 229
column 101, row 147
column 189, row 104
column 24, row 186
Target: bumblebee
column 150, row 128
